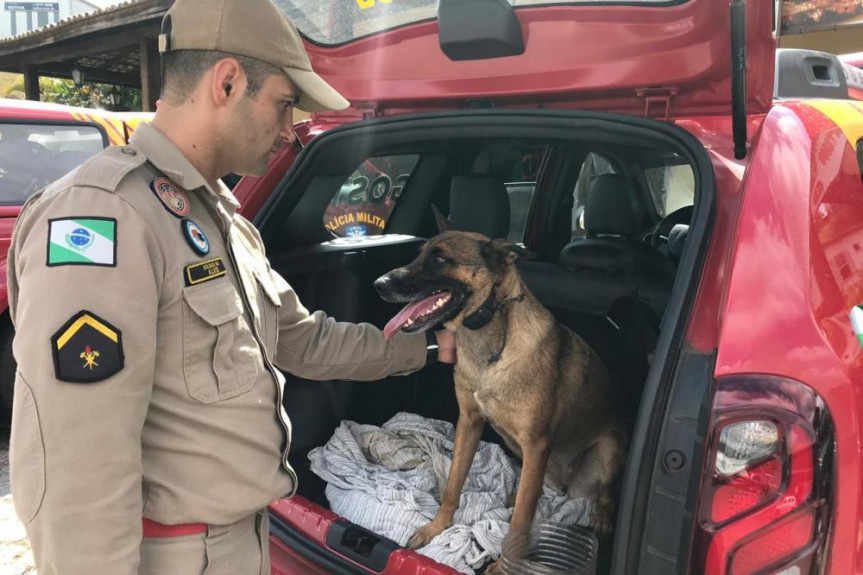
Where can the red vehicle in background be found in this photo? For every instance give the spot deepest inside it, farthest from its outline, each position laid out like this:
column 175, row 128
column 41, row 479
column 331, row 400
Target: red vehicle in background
column 855, row 59
column 740, row 165
column 40, row 142
column 854, row 73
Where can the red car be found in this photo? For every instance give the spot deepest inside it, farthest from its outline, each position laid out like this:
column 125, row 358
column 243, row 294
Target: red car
column 722, row 291
column 39, row 142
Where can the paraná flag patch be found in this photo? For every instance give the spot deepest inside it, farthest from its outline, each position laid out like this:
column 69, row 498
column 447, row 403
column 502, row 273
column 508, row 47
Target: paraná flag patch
column 83, row 241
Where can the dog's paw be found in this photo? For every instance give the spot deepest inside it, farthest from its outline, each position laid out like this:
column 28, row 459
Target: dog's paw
column 424, row 536
column 601, row 521
column 495, row 568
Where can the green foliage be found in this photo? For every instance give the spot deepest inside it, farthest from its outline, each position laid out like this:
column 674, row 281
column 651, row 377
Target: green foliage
column 90, row 95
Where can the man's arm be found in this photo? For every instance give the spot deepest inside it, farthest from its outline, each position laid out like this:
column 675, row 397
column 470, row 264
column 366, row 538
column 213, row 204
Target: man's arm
column 86, row 273
column 315, row 346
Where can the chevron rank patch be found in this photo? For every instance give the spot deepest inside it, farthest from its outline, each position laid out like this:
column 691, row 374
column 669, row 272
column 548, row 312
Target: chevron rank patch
column 204, row 271
column 87, row 349
column 83, row 241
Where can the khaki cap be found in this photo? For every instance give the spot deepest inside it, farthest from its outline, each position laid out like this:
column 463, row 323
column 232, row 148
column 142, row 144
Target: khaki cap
column 251, row 28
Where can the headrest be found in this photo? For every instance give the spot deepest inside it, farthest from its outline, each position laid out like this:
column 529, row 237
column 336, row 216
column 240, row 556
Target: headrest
column 479, row 204
column 612, row 206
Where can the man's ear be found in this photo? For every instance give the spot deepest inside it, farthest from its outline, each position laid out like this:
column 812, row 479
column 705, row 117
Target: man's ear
column 441, row 220
column 227, row 77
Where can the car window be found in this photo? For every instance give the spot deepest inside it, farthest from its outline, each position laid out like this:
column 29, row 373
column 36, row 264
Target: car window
column 326, row 22
column 520, row 197
column 523, row 171
column 34, row 155
column 671, row 181
column 363, row 204
column 593, row 166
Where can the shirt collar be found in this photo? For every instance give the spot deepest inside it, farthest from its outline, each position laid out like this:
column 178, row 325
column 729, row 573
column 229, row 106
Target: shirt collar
column 162, row 153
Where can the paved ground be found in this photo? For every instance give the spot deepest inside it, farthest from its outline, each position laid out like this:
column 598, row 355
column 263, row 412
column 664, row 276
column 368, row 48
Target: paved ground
column 15, row 556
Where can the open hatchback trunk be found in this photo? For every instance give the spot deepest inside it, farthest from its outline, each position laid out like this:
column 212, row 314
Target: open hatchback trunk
column 548, row 103
column 545, row 164
column 667, row 58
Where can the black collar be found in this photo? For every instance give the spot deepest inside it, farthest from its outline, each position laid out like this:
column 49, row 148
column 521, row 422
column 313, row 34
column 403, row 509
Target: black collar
column 483, row 316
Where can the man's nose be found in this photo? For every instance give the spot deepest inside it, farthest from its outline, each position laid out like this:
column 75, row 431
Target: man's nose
column 288, row 134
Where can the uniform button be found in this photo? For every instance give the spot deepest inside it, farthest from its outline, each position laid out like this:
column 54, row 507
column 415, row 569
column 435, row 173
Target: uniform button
column 128, row 150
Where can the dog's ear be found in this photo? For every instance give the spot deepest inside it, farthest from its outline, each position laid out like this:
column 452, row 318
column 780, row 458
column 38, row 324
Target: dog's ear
column 498, row 253
column 441, row 220
column 524, row 253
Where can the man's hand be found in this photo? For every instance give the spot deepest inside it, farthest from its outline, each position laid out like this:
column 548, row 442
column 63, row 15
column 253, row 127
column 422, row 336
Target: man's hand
column 446, row 352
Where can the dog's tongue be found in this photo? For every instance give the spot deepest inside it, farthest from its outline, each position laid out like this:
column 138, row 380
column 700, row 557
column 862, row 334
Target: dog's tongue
column 412, row 311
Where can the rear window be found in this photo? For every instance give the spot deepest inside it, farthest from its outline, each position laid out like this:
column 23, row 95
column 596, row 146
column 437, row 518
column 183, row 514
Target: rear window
column 594, row 165
column 366, row 199
column 671, row 181
column 326, row 22
column 34, row 155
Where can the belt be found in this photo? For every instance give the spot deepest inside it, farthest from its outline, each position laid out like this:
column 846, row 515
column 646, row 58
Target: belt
column 156, row 529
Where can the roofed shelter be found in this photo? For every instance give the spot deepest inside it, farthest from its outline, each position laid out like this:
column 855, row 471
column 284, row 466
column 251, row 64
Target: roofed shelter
column 116, row 45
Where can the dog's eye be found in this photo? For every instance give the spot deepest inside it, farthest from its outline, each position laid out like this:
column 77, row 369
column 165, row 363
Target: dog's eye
column 440, row 260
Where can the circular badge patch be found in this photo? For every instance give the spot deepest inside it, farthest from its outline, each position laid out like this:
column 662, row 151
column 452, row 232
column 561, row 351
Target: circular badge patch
column 174, row 200
column 196, row 237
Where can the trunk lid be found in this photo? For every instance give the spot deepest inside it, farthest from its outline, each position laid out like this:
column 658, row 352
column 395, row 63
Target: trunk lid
column 644, row 57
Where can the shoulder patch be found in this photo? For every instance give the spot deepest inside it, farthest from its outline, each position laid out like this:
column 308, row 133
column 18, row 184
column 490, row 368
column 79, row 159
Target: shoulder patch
column 171, row 196
column 87, row 349
column 204, row 271
column 196, row 237
column 83, row 241
column 107, row 169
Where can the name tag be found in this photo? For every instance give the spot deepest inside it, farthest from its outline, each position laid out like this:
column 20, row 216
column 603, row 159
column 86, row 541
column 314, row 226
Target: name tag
column 204, row 271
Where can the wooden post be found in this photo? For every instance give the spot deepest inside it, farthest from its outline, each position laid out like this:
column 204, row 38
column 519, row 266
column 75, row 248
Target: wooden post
column 151, row 74
column 31, row 83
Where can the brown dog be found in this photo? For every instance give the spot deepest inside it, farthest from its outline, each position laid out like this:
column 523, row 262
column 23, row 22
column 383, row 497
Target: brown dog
column 538, row 384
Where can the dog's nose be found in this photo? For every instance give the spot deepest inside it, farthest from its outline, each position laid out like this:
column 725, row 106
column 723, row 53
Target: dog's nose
column 382, row 283
column 385, row 283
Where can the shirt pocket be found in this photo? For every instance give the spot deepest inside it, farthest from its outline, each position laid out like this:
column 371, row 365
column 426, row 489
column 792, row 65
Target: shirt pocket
column 26, row 453
column 270, row 304
column 221, row 357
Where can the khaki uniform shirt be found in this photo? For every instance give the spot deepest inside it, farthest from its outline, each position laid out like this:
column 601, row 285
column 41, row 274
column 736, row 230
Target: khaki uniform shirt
column 183, row 422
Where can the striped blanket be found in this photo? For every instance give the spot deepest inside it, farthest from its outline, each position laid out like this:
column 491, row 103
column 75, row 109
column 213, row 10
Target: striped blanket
column 389, row 479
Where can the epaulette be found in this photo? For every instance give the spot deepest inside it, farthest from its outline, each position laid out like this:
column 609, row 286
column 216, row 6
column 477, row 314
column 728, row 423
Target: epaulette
column 107, row 169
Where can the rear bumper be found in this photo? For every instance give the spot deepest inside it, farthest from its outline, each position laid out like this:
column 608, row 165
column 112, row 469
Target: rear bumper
column 306, row 538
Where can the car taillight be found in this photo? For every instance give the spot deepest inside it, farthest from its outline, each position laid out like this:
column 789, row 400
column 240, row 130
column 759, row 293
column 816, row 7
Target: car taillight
column 765, row 496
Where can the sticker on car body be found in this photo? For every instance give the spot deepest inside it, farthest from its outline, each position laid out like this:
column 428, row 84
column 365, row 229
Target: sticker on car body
column 857, row 322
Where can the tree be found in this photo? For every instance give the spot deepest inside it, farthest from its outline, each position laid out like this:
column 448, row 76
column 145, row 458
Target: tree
column 90, row 95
